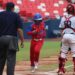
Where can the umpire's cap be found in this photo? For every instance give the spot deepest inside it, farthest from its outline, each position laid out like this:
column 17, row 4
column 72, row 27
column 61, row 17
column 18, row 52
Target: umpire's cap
column 9, row 5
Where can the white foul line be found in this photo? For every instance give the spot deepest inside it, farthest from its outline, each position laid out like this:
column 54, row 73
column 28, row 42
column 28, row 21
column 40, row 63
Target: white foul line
column 51, row 72
column 65, row 67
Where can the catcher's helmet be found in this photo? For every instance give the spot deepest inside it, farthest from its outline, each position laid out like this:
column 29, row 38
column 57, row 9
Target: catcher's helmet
column 37, row 16
column 70, row 9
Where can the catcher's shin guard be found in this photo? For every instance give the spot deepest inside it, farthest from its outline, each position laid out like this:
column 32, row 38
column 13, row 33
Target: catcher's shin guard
column 61, row 65
column 74, row 63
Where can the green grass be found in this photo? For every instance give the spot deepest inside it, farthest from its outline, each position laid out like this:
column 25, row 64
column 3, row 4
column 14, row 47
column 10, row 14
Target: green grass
column 49, row 48
column 49, row 67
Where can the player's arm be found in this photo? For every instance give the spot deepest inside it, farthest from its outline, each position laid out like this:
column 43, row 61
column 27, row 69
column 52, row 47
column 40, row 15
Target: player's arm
column 31, row 31
column 61, row 26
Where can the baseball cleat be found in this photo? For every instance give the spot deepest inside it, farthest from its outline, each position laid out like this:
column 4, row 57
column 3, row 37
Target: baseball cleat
column 61, row 72
column 32, row 69
column 73, row 73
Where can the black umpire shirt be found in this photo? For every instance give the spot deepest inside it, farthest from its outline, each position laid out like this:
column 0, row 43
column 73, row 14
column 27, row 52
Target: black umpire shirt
column 9, row 22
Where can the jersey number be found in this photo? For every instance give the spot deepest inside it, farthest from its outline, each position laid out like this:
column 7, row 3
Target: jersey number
column 67, row 24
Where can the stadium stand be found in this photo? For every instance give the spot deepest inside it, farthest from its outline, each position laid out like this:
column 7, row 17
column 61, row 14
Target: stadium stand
column 51, row 8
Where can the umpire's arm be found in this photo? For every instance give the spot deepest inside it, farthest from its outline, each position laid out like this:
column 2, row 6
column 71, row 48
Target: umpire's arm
column 20, row 29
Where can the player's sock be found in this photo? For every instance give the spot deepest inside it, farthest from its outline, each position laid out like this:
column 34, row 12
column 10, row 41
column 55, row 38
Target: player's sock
column 36, row 65
column 61, row 64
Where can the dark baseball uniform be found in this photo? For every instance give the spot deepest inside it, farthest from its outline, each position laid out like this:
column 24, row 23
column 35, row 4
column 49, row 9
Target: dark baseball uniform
column 9, row 23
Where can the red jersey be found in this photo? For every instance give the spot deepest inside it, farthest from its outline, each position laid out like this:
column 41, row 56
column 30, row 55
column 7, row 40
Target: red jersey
column 40, row 31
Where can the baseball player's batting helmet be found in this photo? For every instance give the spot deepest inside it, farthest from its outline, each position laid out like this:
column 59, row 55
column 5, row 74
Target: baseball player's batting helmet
column 37, row 16
column 70, row 9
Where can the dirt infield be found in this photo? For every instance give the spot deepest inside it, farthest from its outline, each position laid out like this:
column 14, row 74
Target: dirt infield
column 23, row 67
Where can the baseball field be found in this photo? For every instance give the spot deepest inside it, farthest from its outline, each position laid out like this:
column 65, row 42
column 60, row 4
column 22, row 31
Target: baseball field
column 48, row 63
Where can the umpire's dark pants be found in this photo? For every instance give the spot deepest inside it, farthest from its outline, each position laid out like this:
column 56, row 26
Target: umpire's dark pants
column 7, row 53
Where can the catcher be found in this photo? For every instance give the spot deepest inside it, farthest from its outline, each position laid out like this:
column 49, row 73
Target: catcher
column 67, row 26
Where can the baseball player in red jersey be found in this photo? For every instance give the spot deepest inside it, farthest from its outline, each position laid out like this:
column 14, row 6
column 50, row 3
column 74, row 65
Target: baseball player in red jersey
column 38, row 34
column 67, row 26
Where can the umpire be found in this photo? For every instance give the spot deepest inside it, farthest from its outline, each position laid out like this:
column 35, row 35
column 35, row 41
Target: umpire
column 10, row 24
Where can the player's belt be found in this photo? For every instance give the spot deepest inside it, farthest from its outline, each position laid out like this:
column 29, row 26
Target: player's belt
column 69, row 33
column 38, row 39
column 73, row 33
